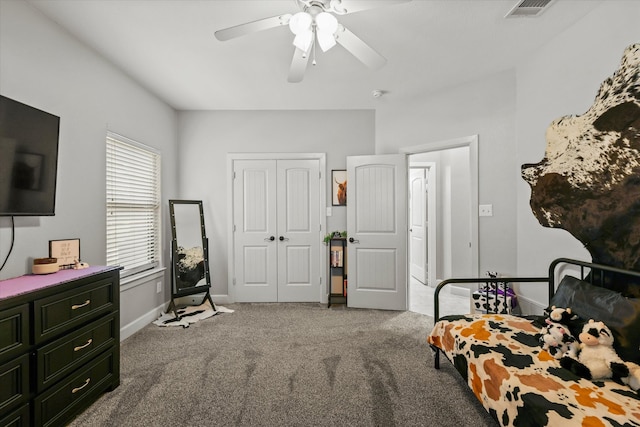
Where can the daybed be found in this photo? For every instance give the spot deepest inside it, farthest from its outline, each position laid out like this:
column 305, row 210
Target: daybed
column 520, row 384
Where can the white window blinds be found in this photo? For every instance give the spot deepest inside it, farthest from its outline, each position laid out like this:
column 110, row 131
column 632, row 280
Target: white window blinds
column 133, row 205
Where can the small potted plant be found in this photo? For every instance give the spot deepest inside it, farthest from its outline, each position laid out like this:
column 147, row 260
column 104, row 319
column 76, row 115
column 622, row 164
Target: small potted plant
column 333, row 235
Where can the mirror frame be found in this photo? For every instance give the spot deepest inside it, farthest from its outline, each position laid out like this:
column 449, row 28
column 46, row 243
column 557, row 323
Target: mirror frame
column 180, row 292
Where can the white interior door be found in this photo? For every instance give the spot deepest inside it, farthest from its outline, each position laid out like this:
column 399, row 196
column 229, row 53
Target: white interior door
column 255, row 231
column 417, row 224
column 298, row 231
column 277, row 230
column 377, row 230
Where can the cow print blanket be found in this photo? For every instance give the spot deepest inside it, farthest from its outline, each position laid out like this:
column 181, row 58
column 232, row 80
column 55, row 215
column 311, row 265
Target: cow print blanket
column 519, row 383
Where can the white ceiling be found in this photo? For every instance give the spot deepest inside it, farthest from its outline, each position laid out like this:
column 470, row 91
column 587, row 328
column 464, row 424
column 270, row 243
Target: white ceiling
column 169, row 47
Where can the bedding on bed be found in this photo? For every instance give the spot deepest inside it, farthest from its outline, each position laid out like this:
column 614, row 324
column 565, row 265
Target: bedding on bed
column 519, row 383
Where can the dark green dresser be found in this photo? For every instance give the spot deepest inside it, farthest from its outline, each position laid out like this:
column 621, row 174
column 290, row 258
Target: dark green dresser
column 59, row 344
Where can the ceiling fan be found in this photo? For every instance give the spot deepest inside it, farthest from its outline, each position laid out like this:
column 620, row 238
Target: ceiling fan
column 316, row 23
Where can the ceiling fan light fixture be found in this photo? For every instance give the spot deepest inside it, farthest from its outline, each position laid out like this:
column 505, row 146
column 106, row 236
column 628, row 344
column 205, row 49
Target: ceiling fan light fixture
column 326, row 40
column 300, row 23
column 303, row 40
column 327, row 22
column 326, row 26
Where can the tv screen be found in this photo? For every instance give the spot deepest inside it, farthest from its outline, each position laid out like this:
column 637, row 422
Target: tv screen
column 28, row 159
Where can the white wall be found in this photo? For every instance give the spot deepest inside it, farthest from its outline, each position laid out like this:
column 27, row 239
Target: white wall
column 43, row 66
column 207, row 136
column 562, row 79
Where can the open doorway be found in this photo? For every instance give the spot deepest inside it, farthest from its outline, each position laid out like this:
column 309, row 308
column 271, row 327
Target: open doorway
column 449, row 208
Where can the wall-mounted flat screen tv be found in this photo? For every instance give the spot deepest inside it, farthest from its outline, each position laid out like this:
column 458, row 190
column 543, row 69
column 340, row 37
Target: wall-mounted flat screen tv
column 28, row 159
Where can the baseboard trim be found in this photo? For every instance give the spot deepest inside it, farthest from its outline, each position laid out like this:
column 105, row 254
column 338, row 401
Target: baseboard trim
column 221, row 299
column 142, row 321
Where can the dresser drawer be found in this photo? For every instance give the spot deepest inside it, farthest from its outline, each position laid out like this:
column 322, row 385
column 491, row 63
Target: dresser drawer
column 59, row 313
column 14, row 331
column 66, row 398
column 14, row 383
column 64, row 355
column 18, row 418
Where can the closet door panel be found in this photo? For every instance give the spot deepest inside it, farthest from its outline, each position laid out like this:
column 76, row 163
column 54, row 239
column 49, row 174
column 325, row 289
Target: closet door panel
column 298, row 225
column 255, row 253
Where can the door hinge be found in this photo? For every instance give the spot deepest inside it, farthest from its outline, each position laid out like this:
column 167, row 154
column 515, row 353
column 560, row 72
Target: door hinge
column 234, row 281
column 234, row 174
column 234, row 228
column 321, row 280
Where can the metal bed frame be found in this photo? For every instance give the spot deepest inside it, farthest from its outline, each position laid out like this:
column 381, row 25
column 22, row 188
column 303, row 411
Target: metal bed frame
column 595, row 274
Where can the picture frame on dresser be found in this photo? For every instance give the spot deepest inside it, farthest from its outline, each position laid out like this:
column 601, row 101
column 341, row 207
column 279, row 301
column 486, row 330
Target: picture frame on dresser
column 66, row 251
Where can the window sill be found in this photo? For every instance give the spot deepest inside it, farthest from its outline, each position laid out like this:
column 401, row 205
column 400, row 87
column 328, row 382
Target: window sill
column 141, row 278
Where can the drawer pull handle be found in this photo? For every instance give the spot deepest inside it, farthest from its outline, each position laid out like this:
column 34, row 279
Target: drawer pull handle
column 77, row 389
column 77, row 306
column 80, row 347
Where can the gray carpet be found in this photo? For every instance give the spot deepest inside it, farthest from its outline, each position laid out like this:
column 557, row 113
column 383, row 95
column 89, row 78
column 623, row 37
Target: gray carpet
column 287, row 365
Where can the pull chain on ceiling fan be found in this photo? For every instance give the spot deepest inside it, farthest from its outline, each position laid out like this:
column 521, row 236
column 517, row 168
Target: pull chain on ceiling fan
column 316, row 22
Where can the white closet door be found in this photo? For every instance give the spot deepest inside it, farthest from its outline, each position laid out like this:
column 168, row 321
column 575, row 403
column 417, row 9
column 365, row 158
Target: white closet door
column 298, row 226
column 277, row 236
column 377, row 230
column 255, row 242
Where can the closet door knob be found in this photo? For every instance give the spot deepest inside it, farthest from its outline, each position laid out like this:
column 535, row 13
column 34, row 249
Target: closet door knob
column 352, row 240
column 282, row 238
column 270, row 239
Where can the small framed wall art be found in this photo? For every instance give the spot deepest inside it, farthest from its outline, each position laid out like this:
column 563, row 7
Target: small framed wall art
column 339, row 187
column 66, row 251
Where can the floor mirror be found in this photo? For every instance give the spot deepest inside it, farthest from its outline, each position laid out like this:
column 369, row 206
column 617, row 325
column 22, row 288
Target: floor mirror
column 189, row 252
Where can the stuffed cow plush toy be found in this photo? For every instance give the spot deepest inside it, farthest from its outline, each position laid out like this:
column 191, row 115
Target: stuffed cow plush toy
column 597, row 358
column 556, row 336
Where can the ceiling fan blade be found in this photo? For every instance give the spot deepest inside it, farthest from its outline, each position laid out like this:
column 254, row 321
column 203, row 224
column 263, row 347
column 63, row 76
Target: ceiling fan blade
column 359, row 49
column 359, row 5
column 252, row 27
column 298, row 66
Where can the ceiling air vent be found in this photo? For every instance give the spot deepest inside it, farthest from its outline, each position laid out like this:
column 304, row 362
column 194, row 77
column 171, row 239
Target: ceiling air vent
column 529, row 8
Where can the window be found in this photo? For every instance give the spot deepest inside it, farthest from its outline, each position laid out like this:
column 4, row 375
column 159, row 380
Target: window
column 133, row 205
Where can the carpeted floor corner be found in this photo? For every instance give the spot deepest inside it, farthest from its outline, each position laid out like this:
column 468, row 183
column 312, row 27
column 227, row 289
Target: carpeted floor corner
column 287, row 365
